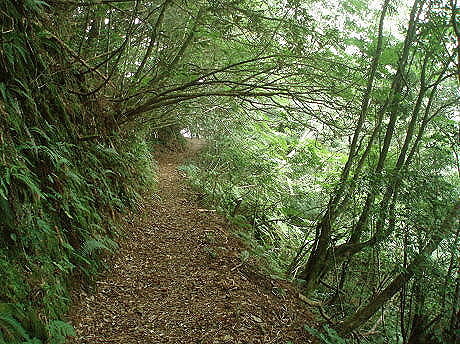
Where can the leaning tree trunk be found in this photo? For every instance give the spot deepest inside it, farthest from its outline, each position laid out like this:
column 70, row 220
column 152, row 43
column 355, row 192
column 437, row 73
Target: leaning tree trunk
column 357, row 319
column 313, row 271
column 319, row 263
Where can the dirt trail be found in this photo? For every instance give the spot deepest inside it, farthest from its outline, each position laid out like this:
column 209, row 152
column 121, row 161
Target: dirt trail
column 178, row 278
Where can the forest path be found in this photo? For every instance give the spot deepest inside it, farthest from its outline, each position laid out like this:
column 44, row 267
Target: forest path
column 178, row 278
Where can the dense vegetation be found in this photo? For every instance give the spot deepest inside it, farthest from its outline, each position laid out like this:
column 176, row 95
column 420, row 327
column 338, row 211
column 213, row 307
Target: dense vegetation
column 333, row 141
column 60, row 190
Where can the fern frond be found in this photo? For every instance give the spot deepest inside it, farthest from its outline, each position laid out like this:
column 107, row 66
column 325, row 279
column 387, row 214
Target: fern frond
column 92, row 245
column 11, row 327
column 59, row 331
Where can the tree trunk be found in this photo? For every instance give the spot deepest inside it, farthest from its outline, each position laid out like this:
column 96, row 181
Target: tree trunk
column 420, row 320
column 454, row 327
column 318, row 258
column 365, row 313
column 313, row 269
column 318, row 264
column 389, row 200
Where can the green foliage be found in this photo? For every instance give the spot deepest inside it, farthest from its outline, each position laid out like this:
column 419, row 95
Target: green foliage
column 93, row 245
column 263, row 169
column 58, row 331
column 81, row 87
column 59, row 193
column 270, row 183
column 328, row 336
column 10, row 326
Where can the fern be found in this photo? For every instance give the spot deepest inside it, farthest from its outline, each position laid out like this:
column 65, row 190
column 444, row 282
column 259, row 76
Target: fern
column 92, row 245
column 55, row 191
column 59, row 331
column 9, row 325
column 32, row 341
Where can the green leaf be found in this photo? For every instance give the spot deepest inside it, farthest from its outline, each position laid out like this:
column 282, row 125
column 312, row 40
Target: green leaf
column 59, row 331
column 3, row 91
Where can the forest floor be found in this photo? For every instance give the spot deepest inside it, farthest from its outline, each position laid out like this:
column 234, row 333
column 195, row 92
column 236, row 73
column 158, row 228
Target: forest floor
column 178, row 278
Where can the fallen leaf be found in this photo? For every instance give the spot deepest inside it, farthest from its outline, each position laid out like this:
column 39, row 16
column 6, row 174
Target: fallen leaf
column 256, row 319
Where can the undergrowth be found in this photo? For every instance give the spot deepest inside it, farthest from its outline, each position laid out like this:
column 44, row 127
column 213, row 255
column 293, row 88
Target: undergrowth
column 266, row 185
column 63, row 179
